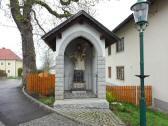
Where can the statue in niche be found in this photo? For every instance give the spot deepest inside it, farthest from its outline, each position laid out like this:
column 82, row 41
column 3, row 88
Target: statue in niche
column 78, row 58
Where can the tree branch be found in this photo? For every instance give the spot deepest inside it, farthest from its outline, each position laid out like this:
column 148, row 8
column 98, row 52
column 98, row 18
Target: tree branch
column 15, row 10
column 35, row 17
column 67, row 2
column 27, row 8
column 43, row 4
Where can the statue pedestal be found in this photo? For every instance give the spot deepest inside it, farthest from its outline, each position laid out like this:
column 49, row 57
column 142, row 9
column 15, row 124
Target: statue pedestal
column 78, row 82
column 78, row 88
column 78, row 93
column 78, row 85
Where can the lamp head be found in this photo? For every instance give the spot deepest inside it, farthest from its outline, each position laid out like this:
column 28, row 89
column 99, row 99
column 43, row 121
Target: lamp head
column 140, row 11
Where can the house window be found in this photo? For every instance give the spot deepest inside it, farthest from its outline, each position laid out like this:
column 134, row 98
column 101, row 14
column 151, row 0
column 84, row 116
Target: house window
column 9, row 63
column 120, row 72
column 109, row 50
column 8, row 71
column 120, row 45
column 109, row 72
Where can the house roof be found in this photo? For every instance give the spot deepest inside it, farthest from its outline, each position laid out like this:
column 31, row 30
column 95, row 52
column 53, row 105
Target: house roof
column 80, row 17
column 128, row 19
column 7, row 54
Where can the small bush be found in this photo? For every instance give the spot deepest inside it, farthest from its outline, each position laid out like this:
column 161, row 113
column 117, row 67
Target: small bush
column 47, row 100
column 20, row 70
column 110, row 98
column 122, row 108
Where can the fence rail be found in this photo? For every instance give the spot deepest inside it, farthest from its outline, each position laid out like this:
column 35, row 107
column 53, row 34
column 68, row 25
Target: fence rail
column 41, row 84
column 130, row 94
column 44, row 84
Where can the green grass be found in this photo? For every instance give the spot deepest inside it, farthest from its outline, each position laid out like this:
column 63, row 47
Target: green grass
column 10, row 77
column 47, row 100
column 130, row 115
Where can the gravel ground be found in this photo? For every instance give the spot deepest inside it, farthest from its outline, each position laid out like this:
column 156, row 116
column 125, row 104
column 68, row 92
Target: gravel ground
column 51, row 120
column 94, row 117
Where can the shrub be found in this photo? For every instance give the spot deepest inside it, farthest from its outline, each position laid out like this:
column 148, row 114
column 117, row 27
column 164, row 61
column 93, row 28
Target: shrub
column 121, row 108
column 20, row 70
column 47, row 100
column 110, row 98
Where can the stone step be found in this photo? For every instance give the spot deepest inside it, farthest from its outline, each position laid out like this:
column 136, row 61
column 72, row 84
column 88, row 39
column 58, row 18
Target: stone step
column 78, row 94
column 82, row 103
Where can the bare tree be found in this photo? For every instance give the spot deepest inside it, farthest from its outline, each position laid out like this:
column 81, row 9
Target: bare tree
column 24, row 13
column 48, row 60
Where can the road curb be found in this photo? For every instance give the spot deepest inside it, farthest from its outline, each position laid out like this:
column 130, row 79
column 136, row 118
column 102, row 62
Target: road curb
column 46, row 107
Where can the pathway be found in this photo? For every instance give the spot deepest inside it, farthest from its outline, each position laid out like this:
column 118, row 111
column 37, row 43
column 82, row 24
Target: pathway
column 16, row 109
column 93, row 117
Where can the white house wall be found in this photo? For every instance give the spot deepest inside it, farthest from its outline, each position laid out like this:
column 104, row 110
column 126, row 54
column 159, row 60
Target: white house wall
column 156, row 50
column 11, row 67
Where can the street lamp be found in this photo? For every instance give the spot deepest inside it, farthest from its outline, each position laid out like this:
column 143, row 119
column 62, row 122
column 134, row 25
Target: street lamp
column 140, row 10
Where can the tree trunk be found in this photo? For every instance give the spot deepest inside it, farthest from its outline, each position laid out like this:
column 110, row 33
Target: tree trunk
column 23, row 23
column 28, row 50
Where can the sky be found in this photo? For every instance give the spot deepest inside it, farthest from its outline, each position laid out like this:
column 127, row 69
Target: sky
column 108, row 12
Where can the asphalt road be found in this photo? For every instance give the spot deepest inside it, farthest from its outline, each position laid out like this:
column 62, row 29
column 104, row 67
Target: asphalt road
column 15, row 108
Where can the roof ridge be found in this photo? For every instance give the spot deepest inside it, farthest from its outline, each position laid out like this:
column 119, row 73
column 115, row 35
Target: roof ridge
column 8, row 54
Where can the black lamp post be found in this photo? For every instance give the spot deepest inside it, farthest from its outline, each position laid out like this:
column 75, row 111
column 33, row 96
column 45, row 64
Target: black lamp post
column 141, row 19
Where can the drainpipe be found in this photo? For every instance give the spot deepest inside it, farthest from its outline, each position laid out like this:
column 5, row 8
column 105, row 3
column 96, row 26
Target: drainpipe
column 15, row 69
column 5, row 68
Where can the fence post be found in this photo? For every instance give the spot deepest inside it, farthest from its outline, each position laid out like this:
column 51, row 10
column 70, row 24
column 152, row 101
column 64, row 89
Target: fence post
column 136, row 95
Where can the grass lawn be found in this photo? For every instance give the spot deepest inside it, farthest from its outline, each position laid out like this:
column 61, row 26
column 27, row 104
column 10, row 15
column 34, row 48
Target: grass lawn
column 14, row 77
column 130, row 115
column 47, row 100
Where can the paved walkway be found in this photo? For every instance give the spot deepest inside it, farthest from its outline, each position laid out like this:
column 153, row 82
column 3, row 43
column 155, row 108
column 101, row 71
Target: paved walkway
column 93, row 117
column 16, row 109
column 51, row 120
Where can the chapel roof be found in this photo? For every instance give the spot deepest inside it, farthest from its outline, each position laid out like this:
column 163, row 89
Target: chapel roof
column 81, row 17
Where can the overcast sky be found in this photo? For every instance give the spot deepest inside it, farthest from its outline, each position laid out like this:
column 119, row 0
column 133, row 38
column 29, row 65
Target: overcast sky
column 109, row 13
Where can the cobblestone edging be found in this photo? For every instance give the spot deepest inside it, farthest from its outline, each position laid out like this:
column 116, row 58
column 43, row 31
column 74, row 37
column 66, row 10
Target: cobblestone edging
column 94, row 117
column 46, row 107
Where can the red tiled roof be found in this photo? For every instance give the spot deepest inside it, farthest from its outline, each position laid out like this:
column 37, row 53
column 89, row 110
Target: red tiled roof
column 8, row 55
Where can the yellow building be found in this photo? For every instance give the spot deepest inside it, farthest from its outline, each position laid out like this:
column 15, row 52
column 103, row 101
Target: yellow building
column 10, row 62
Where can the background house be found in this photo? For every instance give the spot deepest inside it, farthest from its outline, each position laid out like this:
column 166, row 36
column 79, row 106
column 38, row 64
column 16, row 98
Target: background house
column 10, row 62
column 123, row 57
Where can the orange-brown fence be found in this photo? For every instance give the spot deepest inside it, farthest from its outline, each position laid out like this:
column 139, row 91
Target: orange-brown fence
column 130, row 94
column 41, row 84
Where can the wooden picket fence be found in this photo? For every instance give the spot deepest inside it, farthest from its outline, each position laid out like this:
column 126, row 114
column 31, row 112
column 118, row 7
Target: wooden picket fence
column 130, row 94
column 40, row 84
